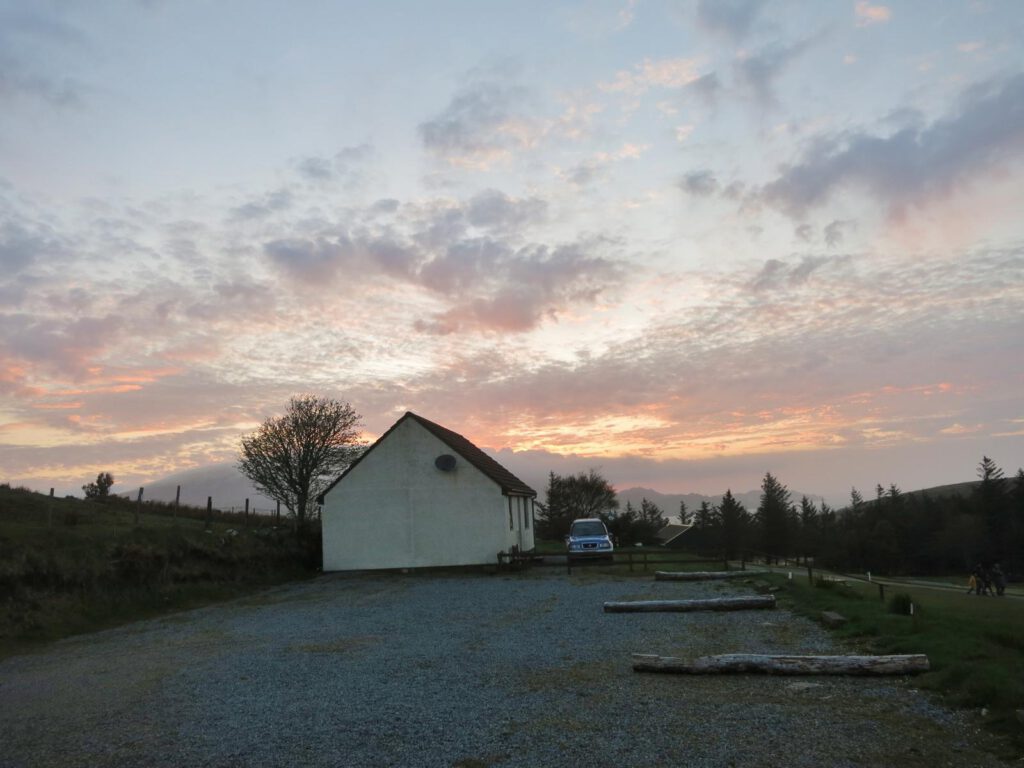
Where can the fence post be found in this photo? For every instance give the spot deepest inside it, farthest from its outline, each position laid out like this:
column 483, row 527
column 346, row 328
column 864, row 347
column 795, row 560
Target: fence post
column 881, row 592
column 49, row 511
column 138, row 507
column 245, row 519
column 209, row 511
column 177, row 501
column 277, row 515
column 810, row 573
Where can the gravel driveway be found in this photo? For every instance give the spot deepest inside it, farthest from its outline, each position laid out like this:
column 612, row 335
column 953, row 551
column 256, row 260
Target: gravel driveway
column 468, row 670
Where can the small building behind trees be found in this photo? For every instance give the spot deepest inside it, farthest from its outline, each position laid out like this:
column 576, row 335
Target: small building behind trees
column 671, row 535
column 424, row 496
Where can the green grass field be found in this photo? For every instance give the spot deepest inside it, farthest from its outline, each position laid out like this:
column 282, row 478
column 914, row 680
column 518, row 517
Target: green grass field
column 78, row 566
column 975, row 644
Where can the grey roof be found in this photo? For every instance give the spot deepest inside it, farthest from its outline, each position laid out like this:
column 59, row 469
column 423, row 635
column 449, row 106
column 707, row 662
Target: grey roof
column 509, row 483
column 671, row 532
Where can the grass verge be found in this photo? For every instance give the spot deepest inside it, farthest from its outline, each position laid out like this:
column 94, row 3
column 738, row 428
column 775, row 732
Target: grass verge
column 81, row 566
column 975, row 644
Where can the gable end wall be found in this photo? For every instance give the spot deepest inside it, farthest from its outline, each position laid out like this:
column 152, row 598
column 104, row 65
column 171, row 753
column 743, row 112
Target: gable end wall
column 395, row 509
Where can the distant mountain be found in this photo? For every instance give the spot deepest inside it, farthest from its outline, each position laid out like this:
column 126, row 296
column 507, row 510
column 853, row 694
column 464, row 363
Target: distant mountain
column 228, row 487
column 953, row 489
column 669, row 502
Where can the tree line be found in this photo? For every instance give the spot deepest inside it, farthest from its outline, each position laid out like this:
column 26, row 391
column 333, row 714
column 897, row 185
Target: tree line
column 893, row 533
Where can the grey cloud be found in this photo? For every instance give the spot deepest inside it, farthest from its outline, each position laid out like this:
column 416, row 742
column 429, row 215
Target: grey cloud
column 700, row 183
column 490, row 211
column 904, row 117
column 314, row 261
column 494, row 210
column 347, row 166
column 734, row 190
column 317, row 168
column 66, row 345
column 440, row 227
column 43, row 28
column 14, row 293
column 912, row 165
column 804, row 232
column 730, row 18
column 757, row 74
column 269, row 204
column 319, row 260
column 391, row 257
column 530, row 285
column 19, row 248
column 347, row 157
column 474, row 255
column 463, row 264
column 487, row 282
column 26, row 38
column 835, row 232
column 385, row 206
column 469, row 126
column 707, row 87
column 15, row 81
column 777, row 274
column 585, row 173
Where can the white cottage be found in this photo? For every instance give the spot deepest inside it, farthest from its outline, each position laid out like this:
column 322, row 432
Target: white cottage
column 424, row 496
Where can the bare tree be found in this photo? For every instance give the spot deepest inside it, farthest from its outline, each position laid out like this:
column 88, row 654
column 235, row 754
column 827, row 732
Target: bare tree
column 294, row 457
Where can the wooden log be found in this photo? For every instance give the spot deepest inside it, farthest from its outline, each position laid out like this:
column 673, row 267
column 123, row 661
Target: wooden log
column 713, row 604
column 832, row 620
column 906, row 664
column 702, row 575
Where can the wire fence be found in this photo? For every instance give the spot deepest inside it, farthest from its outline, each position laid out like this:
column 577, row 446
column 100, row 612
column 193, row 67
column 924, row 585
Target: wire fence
column 131, row 509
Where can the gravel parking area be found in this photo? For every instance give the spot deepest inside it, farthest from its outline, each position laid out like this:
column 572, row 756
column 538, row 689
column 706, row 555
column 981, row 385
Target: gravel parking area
column 466, row 670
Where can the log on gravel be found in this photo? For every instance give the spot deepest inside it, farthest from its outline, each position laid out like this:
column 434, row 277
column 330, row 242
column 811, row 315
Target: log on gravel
column 682, row 606
column 702, row 575
column 907, row 664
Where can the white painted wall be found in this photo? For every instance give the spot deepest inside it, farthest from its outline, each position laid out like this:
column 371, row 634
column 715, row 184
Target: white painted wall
column 395, row 509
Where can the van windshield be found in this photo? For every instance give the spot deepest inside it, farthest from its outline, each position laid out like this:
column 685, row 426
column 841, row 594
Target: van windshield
column 588, row 528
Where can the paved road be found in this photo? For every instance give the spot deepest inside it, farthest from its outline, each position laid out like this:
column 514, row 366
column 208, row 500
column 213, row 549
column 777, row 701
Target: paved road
column 469, row 671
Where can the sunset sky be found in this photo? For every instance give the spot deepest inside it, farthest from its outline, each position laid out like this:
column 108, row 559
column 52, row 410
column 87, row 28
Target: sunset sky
column 683, row 242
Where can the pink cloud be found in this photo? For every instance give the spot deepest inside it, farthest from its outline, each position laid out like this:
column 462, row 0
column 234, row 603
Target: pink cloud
column 868, row 14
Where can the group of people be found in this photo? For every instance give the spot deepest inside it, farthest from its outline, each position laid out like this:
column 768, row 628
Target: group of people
column 983, row 579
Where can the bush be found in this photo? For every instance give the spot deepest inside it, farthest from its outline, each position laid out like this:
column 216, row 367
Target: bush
column 900, row 603
column 138, row 564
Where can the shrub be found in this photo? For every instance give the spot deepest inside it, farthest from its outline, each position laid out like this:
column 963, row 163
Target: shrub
column 138, row 563
column 900, row 604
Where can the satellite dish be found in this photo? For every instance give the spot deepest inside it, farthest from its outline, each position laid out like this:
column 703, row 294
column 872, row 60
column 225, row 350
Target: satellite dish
column 445, row 462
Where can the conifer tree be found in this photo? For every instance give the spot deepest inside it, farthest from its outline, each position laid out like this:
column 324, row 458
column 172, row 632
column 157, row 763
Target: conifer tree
column 809, row 531
column 734, row 518
column 684, row 513
column 773, row 517
column 993, row 505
